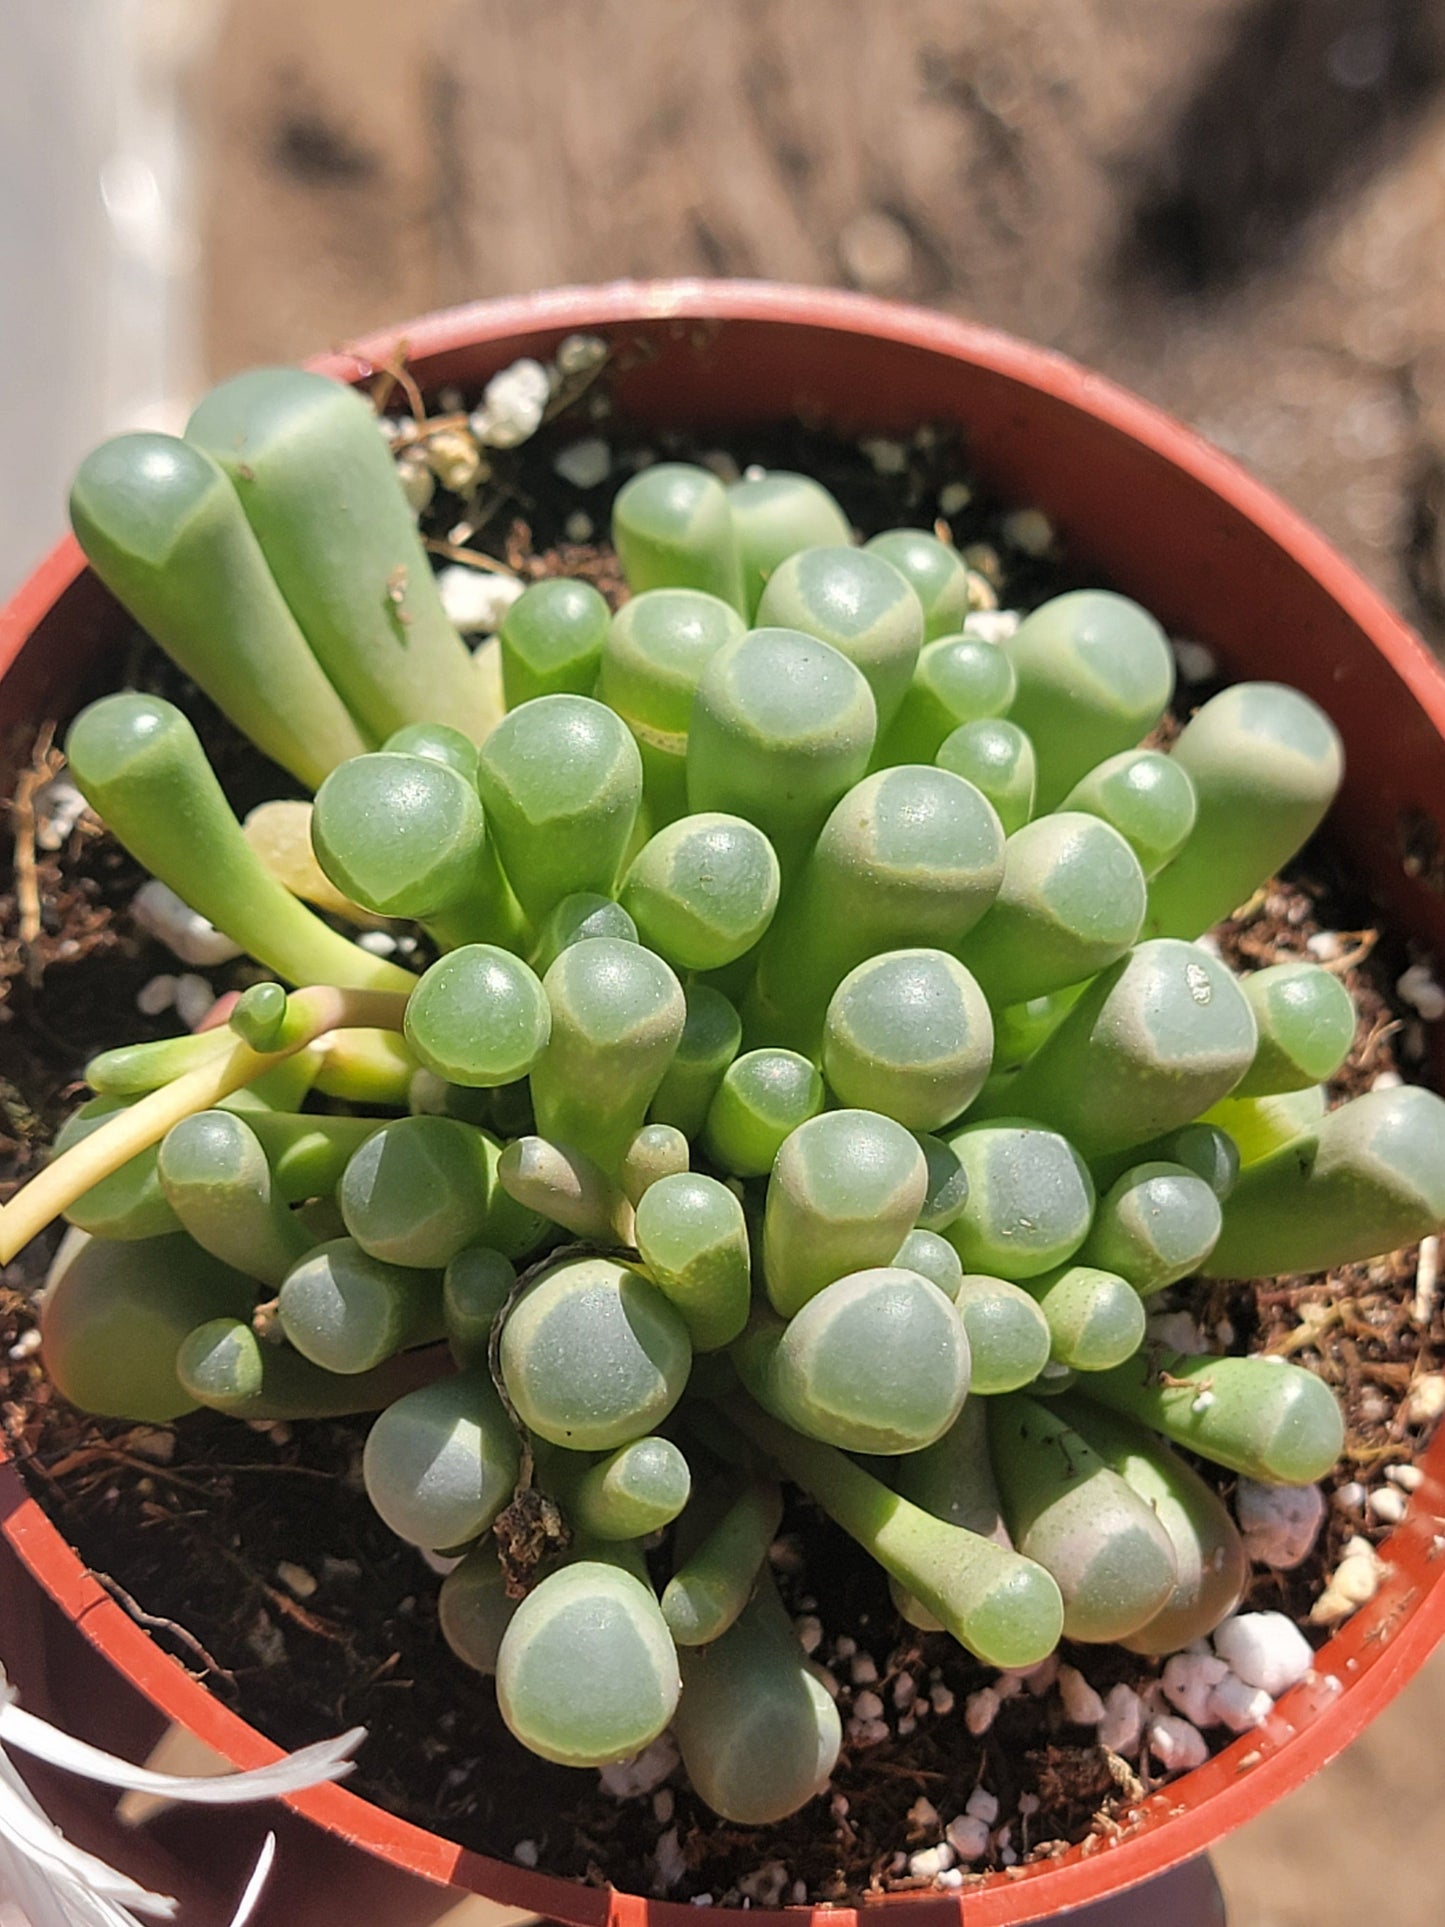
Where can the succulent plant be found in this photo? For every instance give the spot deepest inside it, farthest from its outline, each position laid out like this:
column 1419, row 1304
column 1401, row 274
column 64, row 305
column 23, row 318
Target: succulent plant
column 828, row 972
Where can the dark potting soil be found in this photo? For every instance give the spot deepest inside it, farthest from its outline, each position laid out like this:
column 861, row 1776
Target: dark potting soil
column 254, row 1555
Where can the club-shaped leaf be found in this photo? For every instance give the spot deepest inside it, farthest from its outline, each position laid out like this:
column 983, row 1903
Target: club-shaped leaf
column 998, row 759
column 1030, row 1198
column 1265, row 763
column 1071, row 901
column 781, row 726
column 441, row 1462
column 846, row 1188
column 657, row 647
column 761, row 1099
column 859, row 603
column 1260, row 1416
column 1211, row 1568
column 140, row 766
column 672, row 529
column 693, row 1238
column 777, row 514
column 479, row 1017
column 909, row 1034
column 617, row 1017
column 586, row 1670
column 758, row 1732
column 909, row 857
column 1095, row 674
column 552, row 638
column 161, row 526
column 593, row 1355
column 1069, row 1510
column 320, row 490
column 703, row 890
column 561, row 781
column 114, row 1316
column 1369, row 1179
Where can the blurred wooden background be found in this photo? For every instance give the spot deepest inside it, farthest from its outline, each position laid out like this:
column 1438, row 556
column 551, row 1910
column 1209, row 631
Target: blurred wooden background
column 1235, row 206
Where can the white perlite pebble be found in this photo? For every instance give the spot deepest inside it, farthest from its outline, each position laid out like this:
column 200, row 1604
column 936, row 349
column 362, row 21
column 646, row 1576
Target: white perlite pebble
column 954, row 497
column 584, row 464
column 765, row 1885
column 1418, row 987
column 1177, row 1331
column 1238, row 1706
column 646, row 1771
column 1409, row 1478
column 157, row 995
column 868, row 1732
column 1177, row 1745
column 868, row 1706
column 968, row 1836
column 1040, row 1678
column 940, row 1698
column 194, row 997
column 525, row 1853
column 1195, row 661
column 888, row 457
column 300, row 1583
column 1082, row 1705
column 1123, row 1721
column 377, row 943
column 580, row 354
column 1189, row 1679
column 1265, row 1649
column 513, row 403
column 1387, row 1503
column 864, row 1670
column 663, row 1805
column 669, row 1861
column 980, row 1710
column 183, row 931
column 579, row 526
column 905, row 1691
column 476, row 599
column 1029, row 530
column 1280, row 1523
column 991, row 625
column 810, row 1632
column 951, row 1878
column 930, row 1861
column 1426, row 1402
column 58, row 807
column 1354, row 1581
column 983, row 1805
column 1350, row 1497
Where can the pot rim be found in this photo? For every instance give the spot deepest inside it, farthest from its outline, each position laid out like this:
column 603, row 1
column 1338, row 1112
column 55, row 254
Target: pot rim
column 1362, row 1666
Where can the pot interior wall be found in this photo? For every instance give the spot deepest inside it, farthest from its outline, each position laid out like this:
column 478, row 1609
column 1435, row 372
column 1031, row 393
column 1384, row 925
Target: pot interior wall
column 1164, row 519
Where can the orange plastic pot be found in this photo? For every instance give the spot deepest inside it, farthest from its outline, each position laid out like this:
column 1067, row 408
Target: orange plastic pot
column 1168, row 520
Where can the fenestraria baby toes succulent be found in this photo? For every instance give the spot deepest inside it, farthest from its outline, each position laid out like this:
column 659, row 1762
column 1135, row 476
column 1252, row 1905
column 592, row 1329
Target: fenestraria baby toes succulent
column 817, row 1075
